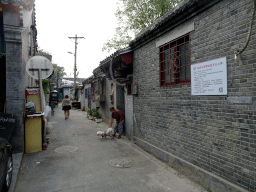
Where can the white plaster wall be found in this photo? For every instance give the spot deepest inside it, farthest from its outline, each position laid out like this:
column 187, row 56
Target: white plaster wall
column 26, row 41
column 128, row 115
column 66, row 91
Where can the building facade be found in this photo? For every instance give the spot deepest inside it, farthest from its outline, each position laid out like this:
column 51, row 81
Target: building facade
column 19, row 42
column 209, row 136
column 86, row 97
column 111, row 87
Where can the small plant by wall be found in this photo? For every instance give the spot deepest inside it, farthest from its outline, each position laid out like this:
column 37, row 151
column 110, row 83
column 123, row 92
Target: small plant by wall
column 89, row 112
column 96, row 113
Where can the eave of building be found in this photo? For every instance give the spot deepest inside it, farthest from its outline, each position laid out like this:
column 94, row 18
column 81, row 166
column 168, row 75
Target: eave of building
column 121, row 65
column 12, row 5
column 123, row 56
column 181, row 13
column 88, row 80
column 122, row 53
column 117, row 58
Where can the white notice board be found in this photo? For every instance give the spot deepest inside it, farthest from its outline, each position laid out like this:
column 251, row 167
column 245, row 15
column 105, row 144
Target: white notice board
column 209, row 78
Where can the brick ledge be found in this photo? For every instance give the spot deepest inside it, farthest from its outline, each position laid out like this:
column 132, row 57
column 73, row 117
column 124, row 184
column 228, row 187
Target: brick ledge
column 208, row 180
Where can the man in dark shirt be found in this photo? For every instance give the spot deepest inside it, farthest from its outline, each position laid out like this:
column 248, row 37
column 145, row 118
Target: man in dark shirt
column 119, row 117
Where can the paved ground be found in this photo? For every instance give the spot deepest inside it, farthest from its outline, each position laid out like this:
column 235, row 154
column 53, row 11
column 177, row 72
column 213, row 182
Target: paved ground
column 77, row 160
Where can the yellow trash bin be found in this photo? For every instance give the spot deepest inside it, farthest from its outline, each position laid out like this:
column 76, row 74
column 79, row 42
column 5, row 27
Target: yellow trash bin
column 33, row 133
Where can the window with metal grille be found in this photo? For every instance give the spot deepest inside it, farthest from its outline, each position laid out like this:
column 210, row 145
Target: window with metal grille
column 134, row 89
column 175, row 62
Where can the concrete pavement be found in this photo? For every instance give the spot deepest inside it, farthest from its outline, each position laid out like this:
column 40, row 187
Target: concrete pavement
column 77, row 160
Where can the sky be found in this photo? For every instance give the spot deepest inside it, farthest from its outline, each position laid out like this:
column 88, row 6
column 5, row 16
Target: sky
column 56, row 20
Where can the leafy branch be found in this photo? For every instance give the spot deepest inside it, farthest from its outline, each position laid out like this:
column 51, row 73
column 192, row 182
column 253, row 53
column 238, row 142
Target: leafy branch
column 133, row 16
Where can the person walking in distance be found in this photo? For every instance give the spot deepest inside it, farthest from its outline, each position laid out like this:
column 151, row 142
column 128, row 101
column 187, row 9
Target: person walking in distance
column 119, row 117
column 66, row 106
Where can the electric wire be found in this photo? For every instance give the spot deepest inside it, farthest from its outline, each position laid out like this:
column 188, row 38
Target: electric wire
column 250, row 30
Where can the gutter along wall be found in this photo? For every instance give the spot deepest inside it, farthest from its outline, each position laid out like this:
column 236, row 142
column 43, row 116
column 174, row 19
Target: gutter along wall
column 209, row 138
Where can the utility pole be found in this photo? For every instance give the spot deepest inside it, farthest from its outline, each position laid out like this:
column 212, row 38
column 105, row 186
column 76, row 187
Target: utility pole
column 75, row 60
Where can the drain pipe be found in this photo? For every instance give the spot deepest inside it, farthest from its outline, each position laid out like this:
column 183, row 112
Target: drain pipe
column 111, row 73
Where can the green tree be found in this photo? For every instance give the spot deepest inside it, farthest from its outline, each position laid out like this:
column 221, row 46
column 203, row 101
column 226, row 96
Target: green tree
column 57, row 74
column 133, row 16
column 45, row 84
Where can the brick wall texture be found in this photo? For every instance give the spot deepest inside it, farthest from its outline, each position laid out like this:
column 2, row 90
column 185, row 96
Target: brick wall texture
column 208, row 131
column 17, row 79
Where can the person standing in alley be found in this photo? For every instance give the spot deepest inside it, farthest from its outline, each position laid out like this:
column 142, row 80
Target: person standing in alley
column 66, row 106
column 119, row 117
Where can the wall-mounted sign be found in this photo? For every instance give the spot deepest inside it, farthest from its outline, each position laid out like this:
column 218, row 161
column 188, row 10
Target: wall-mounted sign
column 209, row 78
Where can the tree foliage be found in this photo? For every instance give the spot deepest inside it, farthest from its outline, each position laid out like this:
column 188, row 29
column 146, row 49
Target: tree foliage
column 58, row 72
column 133, row 16
column 45, row 84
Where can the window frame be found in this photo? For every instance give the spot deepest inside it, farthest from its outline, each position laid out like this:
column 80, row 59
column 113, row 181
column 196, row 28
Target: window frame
column 134, row 86
column 175, row 74
column 129, row 89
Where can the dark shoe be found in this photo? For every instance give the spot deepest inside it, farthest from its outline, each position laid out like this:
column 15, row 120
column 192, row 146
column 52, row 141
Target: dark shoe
column 65, row 118
column 119, row 137
column 114, row 135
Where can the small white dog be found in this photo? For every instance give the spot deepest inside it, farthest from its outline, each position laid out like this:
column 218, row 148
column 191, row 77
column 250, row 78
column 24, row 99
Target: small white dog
column 105, row 134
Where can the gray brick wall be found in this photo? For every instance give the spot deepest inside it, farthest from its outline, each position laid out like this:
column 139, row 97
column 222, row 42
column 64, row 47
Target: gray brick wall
column 216, row 133
column 15, row 94
column 17, row 79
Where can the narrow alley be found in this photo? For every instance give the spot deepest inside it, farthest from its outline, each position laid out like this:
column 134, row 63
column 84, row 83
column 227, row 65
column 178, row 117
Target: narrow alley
column 77, row 160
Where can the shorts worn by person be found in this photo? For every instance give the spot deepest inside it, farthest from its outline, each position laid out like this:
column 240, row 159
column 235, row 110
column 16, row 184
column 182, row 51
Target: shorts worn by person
column 66, row 106
column 119, row 117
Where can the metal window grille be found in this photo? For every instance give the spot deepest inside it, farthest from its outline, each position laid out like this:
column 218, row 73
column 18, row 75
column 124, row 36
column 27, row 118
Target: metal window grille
column 175, row 62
